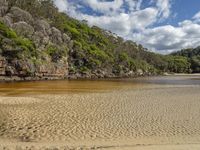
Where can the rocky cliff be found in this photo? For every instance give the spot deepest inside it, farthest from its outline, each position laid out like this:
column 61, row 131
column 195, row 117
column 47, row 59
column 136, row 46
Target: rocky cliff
column 47, row 42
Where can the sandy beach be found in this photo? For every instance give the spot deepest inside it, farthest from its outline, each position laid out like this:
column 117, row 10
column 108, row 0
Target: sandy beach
column 153, row 118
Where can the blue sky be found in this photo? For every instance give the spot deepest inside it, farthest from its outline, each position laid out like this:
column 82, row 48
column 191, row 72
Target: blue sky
column 162, row 26
column 183, row 9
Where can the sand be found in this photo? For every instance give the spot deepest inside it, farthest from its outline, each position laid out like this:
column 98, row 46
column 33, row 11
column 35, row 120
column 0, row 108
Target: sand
column 161, row 118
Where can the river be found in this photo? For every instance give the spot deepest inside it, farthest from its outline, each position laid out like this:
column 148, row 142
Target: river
column 101, row 85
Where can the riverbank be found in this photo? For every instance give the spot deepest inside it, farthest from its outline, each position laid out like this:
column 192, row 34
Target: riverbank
column 70, row 77
column 155, row 117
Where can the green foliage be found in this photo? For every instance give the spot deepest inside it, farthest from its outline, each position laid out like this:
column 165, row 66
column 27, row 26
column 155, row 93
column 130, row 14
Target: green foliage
column 178, row 64
column 97, row 53
column 195, row 64
column 7, row 32
column 84, row 69
column 55, row 52
column 24, row 43
column 16, row 47
column 78, row 44
column 123, row 57
column 193, row 57
column 73, row 31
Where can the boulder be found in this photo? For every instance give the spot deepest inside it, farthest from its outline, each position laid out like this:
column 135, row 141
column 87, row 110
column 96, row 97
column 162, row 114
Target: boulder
column 2, row 62
column 9, row 71
column 23, row 29
column 43, row 26
column 66, row 38
column 23, row 67
column 20, row 15
column 56, row 36
column 3, row 7
column 131, row 73
column 7, row 20
column 3, row 3
column 140, row 72
column 40, row 39
column 9, row 45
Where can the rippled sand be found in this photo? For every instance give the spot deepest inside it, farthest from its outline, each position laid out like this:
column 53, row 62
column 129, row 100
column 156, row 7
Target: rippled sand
column 141, row 119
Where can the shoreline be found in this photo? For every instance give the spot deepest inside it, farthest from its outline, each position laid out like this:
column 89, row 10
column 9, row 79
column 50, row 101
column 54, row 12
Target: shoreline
column 27, row 79
column 30, row 79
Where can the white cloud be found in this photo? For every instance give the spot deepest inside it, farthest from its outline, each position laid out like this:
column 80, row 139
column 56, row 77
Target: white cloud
column 169, row 38
column 130, row 20
column 104, row 6
column 123, row 24
column 197, row 17
column 133, row 4
column 143, row 18
column 164, row 7
column 119, row 24
column 61, row 4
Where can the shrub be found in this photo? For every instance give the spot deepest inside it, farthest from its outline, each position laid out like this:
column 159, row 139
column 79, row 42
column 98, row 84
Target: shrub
column 55, row 52
column 7, row 32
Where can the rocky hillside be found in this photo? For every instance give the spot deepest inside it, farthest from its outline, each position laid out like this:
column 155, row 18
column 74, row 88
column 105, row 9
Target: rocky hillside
column 39, row 42
column 31, row 47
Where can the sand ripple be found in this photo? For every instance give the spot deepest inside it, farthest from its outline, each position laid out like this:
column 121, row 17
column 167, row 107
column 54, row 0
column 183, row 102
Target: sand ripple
column 161, row 116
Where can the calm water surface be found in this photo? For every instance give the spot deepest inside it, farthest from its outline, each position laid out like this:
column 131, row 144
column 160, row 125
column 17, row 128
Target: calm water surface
column 106, row 85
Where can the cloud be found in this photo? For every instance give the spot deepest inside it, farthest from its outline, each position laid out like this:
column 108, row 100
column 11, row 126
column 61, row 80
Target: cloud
column 120, row 24
column 133, row 4
column 197, row 17
column 104, row 6
column 123, row 24
column 169, row 38
column 143, row 18
column 131, row 20
column 164, row 7
column 61, row 4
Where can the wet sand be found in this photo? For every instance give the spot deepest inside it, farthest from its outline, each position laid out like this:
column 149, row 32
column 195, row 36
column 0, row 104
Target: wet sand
column 154, row 117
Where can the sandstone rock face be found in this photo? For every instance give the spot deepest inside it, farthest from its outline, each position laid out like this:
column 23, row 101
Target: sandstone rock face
column 2, row 65
column 20, row 15
column 40, row 39
column 42, row 34
column 3, row 7
column 23, row 29
column 56, row 36
column 66, row 38
column 7, row 20
column 43, row 27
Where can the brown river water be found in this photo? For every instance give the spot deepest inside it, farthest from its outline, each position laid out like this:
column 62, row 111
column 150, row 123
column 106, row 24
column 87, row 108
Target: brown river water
column 90, row 86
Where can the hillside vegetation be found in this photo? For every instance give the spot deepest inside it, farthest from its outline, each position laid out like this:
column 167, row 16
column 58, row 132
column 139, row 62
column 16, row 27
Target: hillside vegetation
column 49, row 43
column 193, row 56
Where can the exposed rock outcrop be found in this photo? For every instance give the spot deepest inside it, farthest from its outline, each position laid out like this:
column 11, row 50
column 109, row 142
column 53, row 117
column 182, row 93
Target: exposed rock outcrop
column 3, row 7
column 24, row 29
column 18, row 14
column 43, row 37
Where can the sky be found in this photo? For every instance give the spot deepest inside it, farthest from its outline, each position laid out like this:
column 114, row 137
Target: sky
column 162, row 26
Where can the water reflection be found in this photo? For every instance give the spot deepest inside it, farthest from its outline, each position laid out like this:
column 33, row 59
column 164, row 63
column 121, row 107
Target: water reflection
column 75, row 86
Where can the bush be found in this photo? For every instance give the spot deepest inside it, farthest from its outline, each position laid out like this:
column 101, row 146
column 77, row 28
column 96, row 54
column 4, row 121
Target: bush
column 84, row 69
column 71, row 30
column 123, row 57
column 55, row 52
column 7, row 32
